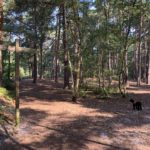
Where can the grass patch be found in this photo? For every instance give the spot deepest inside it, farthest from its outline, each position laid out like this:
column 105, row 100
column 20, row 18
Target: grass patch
column 82, row 93
column 9, row 95
column 104, row 93
column 6, row 105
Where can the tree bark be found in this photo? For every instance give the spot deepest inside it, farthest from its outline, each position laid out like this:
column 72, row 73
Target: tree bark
column 41, row 60
column 57, row 46
column 1, row 40
column 35, row 47
column 9, row 64
column 148, row 61
column 110, row 68
column 139, row 52
column 35, row 68
column 99, row 68
column 77, row 54
column 123, row 73
column 66, row 62
column 17, row 83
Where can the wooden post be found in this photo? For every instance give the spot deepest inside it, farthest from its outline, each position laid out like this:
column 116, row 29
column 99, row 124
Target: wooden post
column 17, row 82
column 17, row 50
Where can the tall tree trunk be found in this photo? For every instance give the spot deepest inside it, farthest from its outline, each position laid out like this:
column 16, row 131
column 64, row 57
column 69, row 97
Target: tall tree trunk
column 17, row 83
column 9, row 64
column 148, row 61
column 77, row 54
column 66, row 62
column 53, row 69
column 139, row 52
column 57, row 45
column 81, row 73
column 136, row 60
column 110, row 68
column 1, row 69
column 99, row 69
column 41, row 60
column 35, row 47
column 103, row 67
column 35, row 68
column 30, row 69
column 1, row 40
column 123, row 73
column 76, row 74
column 145, row 62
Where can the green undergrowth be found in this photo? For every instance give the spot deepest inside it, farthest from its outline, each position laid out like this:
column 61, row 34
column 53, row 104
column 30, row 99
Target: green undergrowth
column 101, row 93
column 82, row 93
column 104, row 93
column 84, row 90
column 6, row 105
column 8, row 95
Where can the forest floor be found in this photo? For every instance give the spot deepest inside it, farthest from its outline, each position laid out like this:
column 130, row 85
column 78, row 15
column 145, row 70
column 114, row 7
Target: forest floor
column 50, row 121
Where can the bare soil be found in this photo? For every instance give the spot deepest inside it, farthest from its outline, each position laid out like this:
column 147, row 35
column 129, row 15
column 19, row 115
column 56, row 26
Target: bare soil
column 50, row 121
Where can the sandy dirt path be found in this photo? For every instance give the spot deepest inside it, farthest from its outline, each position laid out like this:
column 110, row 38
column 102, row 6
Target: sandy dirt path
column 50, row 121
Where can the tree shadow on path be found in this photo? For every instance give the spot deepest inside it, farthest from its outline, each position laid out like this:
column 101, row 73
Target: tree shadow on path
column 104, row 124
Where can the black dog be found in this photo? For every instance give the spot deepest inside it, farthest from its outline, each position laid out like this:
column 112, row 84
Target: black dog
column 136, row 105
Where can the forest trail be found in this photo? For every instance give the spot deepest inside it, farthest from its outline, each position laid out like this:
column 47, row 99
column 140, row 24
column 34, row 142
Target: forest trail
column 50, row 121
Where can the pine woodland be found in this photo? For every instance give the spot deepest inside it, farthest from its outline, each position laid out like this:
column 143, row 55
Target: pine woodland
column 70, row 71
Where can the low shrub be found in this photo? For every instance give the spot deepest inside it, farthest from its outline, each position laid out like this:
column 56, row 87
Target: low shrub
column 9, row 95
column 9, row 84
column 82, row 93
column 101, row 91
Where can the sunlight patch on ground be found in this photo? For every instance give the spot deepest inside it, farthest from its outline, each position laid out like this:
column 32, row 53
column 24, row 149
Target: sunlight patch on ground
column 52, row 121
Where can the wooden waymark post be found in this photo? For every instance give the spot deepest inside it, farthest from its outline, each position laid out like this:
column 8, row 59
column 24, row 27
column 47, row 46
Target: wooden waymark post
column 17, row 50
